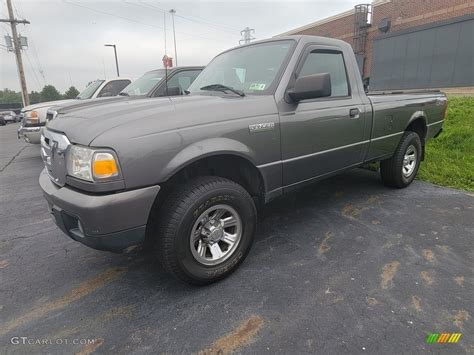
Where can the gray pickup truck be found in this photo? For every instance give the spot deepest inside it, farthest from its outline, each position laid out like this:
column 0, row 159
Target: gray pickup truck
column 185, row 175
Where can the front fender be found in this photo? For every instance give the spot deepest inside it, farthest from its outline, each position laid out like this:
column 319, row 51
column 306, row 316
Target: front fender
column 203, row 149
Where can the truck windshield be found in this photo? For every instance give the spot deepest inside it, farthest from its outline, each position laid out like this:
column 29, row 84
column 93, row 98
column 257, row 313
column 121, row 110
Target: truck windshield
column 144, row 84
column 251, row 69
column 90, row 90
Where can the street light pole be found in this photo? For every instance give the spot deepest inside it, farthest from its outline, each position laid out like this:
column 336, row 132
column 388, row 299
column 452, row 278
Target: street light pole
column 172, row 12
column 116, row 60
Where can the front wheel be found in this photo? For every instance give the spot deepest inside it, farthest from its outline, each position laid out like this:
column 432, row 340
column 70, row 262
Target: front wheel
column 205, row 229
column 400, row 170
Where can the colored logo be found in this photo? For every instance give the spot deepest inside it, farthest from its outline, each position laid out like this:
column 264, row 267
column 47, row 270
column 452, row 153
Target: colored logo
column 443, row 338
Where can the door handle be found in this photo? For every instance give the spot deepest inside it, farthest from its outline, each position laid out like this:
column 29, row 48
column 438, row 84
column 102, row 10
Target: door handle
column 354, row 113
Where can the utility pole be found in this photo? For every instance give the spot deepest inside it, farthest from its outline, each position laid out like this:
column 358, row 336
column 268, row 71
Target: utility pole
column 164, row 27
column 246, row 34
column 172, row 12
column 116, row 60
column 17, row 47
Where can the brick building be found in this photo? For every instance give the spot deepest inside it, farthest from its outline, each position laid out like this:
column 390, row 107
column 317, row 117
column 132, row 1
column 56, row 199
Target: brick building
column 391, row 38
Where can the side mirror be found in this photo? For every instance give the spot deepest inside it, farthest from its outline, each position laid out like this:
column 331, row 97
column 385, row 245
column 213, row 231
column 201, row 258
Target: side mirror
column 311, row 87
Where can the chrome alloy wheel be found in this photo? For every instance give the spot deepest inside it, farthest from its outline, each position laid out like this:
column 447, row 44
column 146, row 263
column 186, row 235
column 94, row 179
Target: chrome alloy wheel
column 409, row 161
column 216, row 235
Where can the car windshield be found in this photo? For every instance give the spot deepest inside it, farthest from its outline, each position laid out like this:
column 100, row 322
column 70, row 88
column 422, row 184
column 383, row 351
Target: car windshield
column 251, row 69
column 145, row 83
column 90, row 90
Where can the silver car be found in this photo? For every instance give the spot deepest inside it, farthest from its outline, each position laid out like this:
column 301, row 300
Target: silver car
column 9, row 116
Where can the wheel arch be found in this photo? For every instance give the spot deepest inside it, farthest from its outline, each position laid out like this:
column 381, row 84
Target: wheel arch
column 418, row 124
column 222, row 157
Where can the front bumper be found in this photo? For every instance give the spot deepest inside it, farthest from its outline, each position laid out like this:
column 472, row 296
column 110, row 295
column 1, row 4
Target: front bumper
column 110, row 222
column 30, row 134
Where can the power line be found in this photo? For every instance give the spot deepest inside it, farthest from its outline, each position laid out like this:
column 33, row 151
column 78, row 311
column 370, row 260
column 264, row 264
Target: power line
column 180, row 32
column 38, row 63
column 35, row 54
column 207, row 24
column 200, row 19
column 17, row 46
column 113, row 15
column 202, row 22
column 33, row 70
column 21, row 13
column 135, row 21
column 20, row 4
column 16, row 11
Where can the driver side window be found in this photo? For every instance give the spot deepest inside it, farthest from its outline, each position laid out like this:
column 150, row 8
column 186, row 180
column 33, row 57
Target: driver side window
column 183, row 79
column 113, row 88
column 318, row 62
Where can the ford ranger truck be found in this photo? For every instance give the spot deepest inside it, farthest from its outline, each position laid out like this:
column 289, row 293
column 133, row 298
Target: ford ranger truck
column 184, row 175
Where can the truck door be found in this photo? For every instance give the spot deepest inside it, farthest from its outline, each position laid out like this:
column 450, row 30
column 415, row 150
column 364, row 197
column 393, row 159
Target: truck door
column 323, row 135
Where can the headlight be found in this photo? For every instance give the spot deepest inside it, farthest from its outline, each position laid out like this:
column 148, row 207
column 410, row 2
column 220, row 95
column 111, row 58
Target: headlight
column 91, row 164
column 31, row 117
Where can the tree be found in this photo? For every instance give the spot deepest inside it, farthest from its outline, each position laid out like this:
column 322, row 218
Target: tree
column 50, row 93
column 10, row 97
column 71, row 93
column 35, row 97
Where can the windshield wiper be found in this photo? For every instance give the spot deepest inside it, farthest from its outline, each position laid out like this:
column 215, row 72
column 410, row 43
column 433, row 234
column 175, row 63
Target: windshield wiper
column 223, row 88
column 123, row 94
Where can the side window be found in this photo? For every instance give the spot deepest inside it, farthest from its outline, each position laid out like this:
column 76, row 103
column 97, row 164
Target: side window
column 183, row 79
column 113, row 88
column 319, row 62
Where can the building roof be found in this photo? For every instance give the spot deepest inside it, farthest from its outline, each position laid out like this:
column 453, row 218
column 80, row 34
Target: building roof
column 328, row 19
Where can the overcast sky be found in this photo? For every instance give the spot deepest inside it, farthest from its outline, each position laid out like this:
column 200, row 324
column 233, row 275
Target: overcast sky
column 66, row 38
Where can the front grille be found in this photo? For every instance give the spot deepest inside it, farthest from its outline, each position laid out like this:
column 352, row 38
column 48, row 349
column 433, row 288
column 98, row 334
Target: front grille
column 53, row 151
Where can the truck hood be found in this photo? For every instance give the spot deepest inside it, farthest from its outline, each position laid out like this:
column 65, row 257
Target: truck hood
column 135, row 118
column 79, row 104
column 46, row 104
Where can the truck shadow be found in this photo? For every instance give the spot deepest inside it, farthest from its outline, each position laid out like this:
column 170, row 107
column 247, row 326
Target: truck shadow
column 324, row 194
column 280, row 221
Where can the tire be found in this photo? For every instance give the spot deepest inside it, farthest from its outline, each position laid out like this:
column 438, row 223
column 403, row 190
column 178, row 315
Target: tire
column 400, row 170
column 202, row 208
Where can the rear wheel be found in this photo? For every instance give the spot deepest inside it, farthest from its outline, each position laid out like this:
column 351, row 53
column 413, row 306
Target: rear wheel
column 205, row 229
column 400, row 170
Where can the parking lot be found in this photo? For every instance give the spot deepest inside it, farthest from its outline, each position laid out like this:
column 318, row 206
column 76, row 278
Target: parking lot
column 345, row 265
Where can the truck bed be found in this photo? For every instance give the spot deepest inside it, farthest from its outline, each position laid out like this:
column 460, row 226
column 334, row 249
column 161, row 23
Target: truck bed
column 393, row 112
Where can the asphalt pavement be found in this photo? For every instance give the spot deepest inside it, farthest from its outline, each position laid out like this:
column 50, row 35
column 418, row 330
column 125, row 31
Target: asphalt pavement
column 343, row 266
